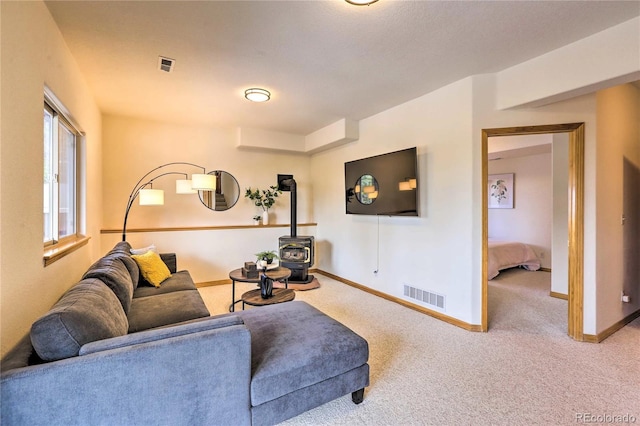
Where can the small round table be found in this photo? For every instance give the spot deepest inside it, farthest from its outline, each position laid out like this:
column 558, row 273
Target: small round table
column 277, row 274
column 280, row 295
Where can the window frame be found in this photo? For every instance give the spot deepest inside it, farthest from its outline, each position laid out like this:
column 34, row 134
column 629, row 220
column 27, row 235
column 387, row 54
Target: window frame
column 58, row 246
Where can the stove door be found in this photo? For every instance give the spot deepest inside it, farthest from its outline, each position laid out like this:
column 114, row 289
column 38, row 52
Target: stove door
column 295, row 253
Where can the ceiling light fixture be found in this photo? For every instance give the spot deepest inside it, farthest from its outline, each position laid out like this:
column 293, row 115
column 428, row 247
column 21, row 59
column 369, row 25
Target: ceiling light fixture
column 257, row 95
column 361, row 2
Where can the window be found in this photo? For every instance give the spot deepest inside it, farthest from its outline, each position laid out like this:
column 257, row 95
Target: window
column 60, row 178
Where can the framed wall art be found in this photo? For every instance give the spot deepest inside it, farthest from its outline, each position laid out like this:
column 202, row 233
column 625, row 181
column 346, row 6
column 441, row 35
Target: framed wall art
column 501, row 192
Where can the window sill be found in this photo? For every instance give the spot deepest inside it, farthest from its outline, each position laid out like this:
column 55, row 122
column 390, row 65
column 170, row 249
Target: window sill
column 58, row 252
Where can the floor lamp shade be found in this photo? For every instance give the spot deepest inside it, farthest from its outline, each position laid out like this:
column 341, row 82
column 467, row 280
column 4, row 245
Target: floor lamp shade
column 147, row 196
column 203, row 182
column 151, row 197
column 183, row 186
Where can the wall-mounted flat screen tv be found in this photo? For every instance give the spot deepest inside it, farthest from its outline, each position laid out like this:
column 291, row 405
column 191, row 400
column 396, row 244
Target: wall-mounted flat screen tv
column 385, row 184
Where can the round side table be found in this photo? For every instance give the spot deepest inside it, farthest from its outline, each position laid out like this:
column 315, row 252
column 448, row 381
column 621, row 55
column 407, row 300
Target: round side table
column 277, row 274
column 280, row 295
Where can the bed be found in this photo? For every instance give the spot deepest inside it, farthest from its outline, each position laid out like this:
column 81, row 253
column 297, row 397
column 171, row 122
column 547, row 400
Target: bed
column 509, row 254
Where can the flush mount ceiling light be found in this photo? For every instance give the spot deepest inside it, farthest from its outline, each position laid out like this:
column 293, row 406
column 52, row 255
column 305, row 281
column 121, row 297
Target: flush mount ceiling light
column 361, row 2
column 257, row 95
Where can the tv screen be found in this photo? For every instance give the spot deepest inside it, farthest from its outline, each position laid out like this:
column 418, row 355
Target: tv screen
column 383, row 185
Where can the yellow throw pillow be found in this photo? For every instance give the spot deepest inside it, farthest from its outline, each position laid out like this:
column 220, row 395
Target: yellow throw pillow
column 152, row 267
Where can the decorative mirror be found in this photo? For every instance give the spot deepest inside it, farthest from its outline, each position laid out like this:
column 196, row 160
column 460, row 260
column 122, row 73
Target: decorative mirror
column 226, row 194
column 366, row 189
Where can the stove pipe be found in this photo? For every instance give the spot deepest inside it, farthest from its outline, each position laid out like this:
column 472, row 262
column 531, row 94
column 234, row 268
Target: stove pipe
column 288, row 183
column 294, row 208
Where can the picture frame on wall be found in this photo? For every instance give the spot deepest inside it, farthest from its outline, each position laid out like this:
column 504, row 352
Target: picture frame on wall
column 501, row 193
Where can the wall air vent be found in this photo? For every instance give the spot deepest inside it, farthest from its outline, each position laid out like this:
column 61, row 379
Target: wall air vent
column 433, row 299
column 165, row 64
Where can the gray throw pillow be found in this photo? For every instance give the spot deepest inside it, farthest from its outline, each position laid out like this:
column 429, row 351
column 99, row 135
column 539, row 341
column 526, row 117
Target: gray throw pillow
column 130, row 264
column 120, row 247
column 113, row 272
column 122, row 250
column 88, row 312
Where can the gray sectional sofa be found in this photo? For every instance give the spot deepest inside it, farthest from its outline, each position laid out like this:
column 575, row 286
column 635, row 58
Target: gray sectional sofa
column 113, row 351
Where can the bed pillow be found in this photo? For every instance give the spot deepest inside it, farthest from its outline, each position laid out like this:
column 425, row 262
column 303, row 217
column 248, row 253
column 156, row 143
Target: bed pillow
column 152, row 268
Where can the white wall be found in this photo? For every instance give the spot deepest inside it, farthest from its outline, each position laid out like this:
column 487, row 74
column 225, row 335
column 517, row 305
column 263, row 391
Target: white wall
column 441, row 250
column 34, row 54
column 530, row 221
column 431, row 252
column 133, row 147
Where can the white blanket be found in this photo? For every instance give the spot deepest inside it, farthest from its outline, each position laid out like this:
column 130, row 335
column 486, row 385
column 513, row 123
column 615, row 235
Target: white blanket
column 507, row 254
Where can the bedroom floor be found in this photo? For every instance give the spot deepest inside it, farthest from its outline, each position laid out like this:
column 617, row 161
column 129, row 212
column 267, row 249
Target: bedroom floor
column 519, row 300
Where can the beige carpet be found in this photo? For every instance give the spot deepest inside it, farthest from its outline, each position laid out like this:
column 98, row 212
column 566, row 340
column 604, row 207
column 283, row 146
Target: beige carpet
column 524, row 371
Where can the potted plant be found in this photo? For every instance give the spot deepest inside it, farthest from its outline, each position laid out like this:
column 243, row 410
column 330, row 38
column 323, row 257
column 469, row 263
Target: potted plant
column 263, row 198
column 256, row 219
column 265, row 258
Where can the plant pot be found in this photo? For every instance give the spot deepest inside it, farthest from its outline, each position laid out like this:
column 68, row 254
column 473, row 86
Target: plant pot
column 256, row 222
column 265, row 218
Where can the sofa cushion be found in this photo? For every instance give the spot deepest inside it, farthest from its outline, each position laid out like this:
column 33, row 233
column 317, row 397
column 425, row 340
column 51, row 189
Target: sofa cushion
column 177, row 282
column 286, row 357
column 163, row 309
column 174, row 330
column 122, row 251
column 152, row 268
column 113, row 272
column 170, row 259
column 89, row 311
column 130, row 264
column 121, row 247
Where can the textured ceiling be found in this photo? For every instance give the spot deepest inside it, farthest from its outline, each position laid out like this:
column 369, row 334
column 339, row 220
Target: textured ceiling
column 322, row 60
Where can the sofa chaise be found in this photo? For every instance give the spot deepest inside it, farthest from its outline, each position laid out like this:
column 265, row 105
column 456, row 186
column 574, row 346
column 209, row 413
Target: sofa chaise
column 115, row 350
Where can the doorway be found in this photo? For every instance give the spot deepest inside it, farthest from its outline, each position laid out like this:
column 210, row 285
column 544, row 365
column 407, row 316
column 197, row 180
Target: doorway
column 575, row 217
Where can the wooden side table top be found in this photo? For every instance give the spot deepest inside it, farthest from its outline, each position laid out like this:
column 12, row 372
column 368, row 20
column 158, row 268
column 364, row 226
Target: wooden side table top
column 280, row 295
column 276, row 274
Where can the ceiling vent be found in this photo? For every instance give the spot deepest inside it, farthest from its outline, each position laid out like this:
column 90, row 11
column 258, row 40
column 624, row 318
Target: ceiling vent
column 165, row 64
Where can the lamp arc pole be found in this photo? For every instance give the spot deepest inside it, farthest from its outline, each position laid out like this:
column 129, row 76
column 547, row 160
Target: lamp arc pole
column 140, row 185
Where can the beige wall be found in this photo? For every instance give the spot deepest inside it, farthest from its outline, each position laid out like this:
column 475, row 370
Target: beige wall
column 133, row 147
column 34, row 55
column 618, row 139
column 604, row 59
column 580, row 109
column 439, row 251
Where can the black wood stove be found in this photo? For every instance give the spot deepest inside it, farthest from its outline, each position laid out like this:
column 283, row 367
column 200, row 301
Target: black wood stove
column 296, row 252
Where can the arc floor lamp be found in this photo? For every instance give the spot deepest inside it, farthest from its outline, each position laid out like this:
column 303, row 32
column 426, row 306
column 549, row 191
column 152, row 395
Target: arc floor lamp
column 154, row 197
